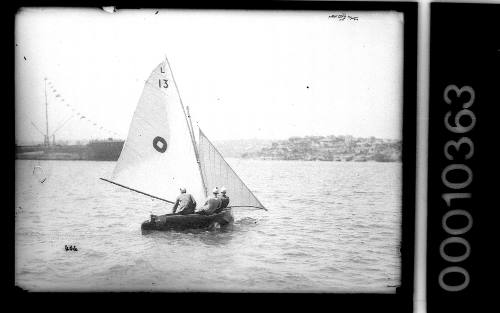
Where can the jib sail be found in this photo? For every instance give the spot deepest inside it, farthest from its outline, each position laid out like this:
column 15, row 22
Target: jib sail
column 218, row 173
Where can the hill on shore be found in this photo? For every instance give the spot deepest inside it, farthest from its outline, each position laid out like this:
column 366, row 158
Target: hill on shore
column 315, row 148
column 238, row 147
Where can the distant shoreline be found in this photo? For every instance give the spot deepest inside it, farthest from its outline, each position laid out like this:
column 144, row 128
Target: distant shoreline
column 310, row 148
column 68, row 158
column 316, row 148
column 338, row 161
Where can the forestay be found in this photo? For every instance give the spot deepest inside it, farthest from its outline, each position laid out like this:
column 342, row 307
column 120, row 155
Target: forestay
column 158, row 156
column 217, row 173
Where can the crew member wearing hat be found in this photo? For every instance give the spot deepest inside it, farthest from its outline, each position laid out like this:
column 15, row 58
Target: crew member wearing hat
column 223, row 199
column 212, row 204
column 184, row 202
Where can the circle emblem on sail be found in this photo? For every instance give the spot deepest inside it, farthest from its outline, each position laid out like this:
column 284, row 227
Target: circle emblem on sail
column 160, row 144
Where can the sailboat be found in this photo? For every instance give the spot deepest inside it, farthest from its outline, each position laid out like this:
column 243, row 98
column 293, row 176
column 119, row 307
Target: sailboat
column 161, row 155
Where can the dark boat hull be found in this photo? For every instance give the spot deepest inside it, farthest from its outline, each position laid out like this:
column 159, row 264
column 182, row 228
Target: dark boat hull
column 189, row 221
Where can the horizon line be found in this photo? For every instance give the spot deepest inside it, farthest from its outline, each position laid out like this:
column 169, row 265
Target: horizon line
column 40, row 142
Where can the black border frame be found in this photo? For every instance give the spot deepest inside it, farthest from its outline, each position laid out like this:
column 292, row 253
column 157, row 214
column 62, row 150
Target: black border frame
column 464, row 51
column 402, row 300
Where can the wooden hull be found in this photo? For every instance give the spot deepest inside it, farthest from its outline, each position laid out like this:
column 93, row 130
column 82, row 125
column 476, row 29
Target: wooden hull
column 189, row 221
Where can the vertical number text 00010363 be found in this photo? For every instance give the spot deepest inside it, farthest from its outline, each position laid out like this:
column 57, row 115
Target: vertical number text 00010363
column 464, row 148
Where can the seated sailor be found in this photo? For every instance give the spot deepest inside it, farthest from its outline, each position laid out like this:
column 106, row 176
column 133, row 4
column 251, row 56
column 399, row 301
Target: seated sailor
column 224, row 200
column 184, row 202
column 212, row 204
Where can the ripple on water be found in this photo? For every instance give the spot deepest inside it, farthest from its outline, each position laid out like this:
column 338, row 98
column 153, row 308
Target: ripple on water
column 332, row 236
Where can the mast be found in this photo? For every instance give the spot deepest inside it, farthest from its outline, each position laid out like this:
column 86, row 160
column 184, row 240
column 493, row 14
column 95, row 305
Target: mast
column 197, row 153
column 190, row 127
column 47, row 140
column 192, row 134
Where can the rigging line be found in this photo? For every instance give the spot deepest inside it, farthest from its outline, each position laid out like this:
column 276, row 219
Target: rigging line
column 204, row 165
column 146, row 194
column 191, row 125
column 32, row 123
column 183, row 107
column 64, row 123
column 189, row 129
column 70, row 116
column 37, row 128
column 24, row 114
column 202, row 133
column 46, row 108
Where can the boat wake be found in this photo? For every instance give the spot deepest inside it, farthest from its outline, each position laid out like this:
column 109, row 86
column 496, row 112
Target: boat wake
column 246, row 221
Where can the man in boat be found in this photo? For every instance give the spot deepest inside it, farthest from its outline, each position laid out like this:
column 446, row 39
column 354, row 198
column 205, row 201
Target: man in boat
column 223, row 199
column 185, row 203
column 212, row 204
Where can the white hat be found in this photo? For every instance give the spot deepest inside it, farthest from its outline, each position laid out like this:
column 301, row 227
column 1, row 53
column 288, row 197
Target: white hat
column 223, row 190
column 216, row 190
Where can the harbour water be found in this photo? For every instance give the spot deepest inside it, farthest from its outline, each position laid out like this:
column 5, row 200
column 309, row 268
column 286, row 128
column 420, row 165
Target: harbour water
column 331, row 227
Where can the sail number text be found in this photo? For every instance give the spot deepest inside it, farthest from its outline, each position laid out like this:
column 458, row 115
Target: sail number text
column 459, row 120
column 163, row 83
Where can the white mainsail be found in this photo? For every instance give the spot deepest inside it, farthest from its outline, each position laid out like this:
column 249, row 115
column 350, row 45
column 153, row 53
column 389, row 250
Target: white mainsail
column 159, row 156
column 217, row 173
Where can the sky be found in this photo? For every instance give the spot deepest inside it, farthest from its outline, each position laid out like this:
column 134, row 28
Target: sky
column 243, row 74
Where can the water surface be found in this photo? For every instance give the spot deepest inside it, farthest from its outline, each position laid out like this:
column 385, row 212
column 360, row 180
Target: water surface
column 331, row 227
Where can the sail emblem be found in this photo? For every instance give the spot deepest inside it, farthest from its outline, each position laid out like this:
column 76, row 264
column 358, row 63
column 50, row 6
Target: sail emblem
column 160, row 144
